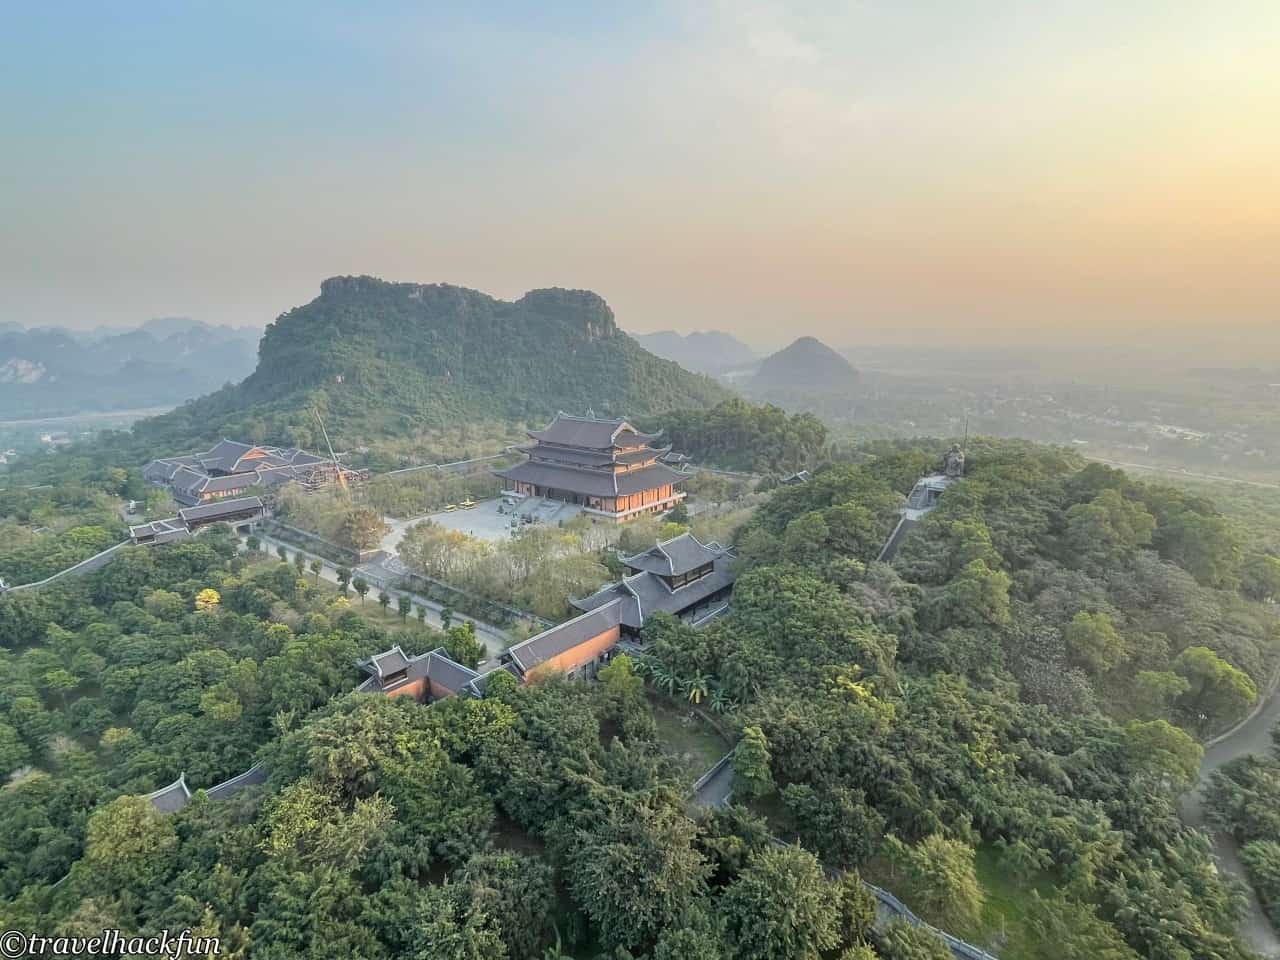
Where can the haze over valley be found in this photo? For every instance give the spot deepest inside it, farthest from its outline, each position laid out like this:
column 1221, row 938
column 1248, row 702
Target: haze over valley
column 676, row 481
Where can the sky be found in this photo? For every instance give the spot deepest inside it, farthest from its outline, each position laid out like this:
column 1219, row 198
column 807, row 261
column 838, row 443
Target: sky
column 861, row 171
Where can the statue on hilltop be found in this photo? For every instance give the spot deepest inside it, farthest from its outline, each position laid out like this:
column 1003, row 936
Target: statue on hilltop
column 953, row 462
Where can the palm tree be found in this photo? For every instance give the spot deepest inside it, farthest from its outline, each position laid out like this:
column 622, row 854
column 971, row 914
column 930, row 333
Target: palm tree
column 317, row 566
column 696, row 687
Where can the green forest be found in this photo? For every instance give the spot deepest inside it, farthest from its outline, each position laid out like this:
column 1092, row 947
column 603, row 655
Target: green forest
column 997, row 727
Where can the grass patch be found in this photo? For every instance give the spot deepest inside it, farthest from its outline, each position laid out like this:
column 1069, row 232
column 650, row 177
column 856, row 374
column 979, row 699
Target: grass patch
column 1002, row 927
column 1004, row 915
column 686, row 737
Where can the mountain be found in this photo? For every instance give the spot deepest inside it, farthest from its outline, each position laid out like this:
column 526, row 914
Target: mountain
column 50, row 371
column 387, row 360
column 710, row 351
column 807, row 366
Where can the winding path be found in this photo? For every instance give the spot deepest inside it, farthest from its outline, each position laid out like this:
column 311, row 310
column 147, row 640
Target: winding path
column 1252, row 736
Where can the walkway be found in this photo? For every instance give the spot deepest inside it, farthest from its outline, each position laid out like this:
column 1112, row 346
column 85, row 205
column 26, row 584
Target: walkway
column 714, row 789
column 1252, row 736
column 495, row 639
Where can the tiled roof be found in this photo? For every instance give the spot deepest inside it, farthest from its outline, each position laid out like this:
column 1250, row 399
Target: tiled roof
column 385, row 664
column 222, row 508
column 670, row 558
column 160, row 531
column 589, row 482
column 588, row 432
column 650, row 594
column 250, row 778
column 550, row 643
column 435, row 665
column 224, row 455
column 172, row 798
column 448, row 673
column 478, row 686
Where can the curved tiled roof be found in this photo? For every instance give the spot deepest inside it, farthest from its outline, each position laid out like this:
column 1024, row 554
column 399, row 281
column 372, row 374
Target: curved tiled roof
column 550, row 643
column 172, row 798
column 670, row 558
column 589, row 432
column 589, row 482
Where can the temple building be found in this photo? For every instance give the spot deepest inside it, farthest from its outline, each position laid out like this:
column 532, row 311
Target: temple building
column 608, row 467
column 239, row 512
column 232, row 468
column 426, row 678
column 681, row 577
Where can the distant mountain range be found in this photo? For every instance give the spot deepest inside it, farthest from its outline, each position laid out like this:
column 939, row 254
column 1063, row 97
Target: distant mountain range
column 386, row 360
column 53, row 371
column 807, row 366
column 709, row 351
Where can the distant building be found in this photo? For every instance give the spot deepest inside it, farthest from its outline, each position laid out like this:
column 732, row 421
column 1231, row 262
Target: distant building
column 607, row 466
column 232, row 468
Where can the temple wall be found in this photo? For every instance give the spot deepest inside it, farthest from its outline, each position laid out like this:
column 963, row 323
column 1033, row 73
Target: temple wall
column 415, row 689
column 583, row 653
column 438, row 691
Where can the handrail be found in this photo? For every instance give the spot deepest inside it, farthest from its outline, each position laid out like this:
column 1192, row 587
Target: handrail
column 958, row 947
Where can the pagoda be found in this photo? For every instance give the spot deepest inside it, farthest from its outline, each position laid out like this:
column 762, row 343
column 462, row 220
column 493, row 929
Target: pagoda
column 608, row 467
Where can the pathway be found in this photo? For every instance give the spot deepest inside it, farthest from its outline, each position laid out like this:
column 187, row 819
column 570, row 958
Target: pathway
column 1184, row 473
column 495, row 639
column 1252, row 736
column 714, row 788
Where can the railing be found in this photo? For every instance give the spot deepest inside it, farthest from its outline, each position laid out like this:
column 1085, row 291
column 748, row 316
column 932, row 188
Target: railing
column 707, row 777
column 966, row 951
column 87, row 565
column 958, row 947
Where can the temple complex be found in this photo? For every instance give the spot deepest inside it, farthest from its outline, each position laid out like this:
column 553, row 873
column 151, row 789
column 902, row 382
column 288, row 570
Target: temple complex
column 681, row 577
column 231, row 468
column 608, row 467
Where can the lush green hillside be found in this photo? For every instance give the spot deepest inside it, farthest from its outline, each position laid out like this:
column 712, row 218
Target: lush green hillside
column 388, row 359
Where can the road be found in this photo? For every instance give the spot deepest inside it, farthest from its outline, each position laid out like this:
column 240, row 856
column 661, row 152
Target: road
column 1184, row 473
column 1253, row 736
column 137, row 414
column 495, row 639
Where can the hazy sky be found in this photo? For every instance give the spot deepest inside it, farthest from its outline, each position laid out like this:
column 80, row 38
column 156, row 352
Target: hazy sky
column 839, row 169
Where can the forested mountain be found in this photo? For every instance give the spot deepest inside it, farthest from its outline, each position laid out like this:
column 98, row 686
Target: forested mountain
column 706, row 351
column 48, row 372
column 386, row 359
column 807, row 366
